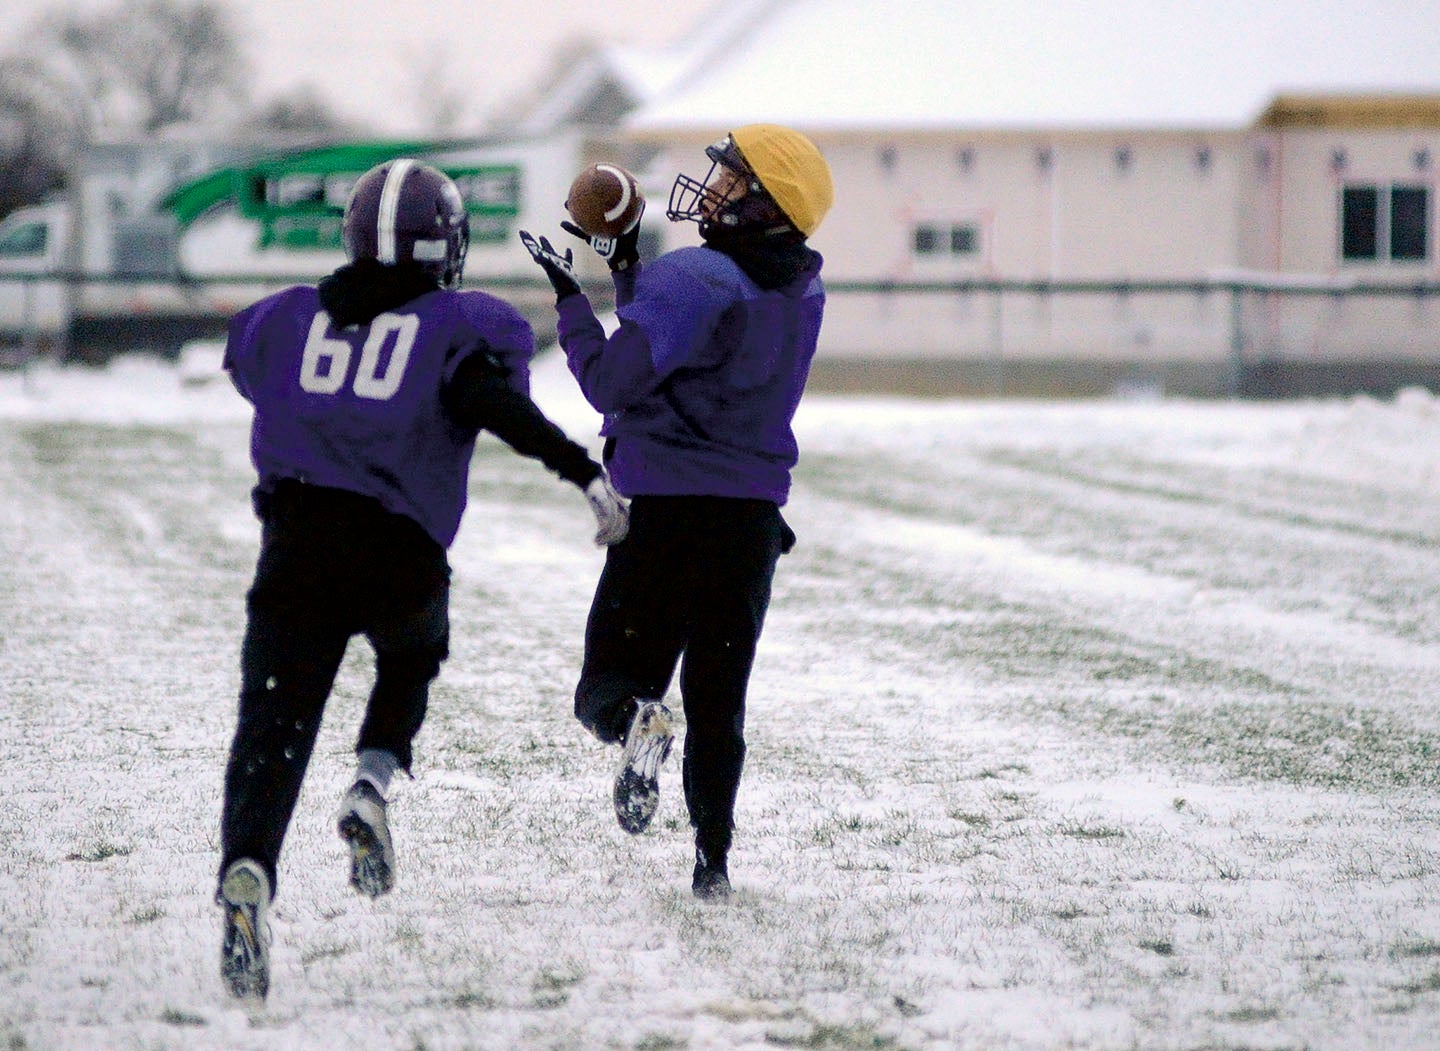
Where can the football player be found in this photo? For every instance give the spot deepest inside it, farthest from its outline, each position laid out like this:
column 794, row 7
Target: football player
column 698, row 386
column 369, row 391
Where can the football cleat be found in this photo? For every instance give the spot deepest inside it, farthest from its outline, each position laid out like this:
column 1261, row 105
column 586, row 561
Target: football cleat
column 245, row 951
column 361, row 824
column 711, row 882
column 637, row 782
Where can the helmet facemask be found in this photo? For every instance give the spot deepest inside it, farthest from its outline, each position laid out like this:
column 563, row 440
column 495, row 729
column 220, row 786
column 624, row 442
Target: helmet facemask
column 731, row 200
column 449, row 264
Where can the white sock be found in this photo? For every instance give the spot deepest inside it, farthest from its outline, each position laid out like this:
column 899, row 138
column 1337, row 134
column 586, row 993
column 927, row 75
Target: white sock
column 377, row 766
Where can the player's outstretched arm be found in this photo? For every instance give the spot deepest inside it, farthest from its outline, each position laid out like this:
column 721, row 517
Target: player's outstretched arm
column 479, row 397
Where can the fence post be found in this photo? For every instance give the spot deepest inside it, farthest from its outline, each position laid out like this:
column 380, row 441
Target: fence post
column 998, row 334
column 29, row 336
column 1237, row 341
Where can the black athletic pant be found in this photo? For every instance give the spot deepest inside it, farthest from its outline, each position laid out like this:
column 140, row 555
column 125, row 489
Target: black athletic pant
column 332, row 565
column 693, row 576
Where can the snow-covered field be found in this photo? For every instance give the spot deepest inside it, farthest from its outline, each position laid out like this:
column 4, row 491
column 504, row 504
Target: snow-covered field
column 1105, row 725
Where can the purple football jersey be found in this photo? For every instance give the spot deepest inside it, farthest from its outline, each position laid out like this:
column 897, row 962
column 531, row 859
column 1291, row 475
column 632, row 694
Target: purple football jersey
column 702, row 379
column 359, row 408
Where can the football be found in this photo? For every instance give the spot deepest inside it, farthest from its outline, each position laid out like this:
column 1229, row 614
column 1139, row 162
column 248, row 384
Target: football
column 604, row 200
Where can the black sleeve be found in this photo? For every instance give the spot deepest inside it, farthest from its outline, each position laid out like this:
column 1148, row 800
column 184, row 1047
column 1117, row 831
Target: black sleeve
column 478, row 397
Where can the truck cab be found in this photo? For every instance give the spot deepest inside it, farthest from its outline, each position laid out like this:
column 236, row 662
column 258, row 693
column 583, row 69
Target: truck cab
column 33, row 243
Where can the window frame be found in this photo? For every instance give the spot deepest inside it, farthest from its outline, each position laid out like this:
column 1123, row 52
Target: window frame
column 934, row 240
column 1385, row 222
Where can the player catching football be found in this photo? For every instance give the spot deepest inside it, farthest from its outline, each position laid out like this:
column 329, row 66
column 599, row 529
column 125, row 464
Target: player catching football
column 369, row 392
column 698, row 386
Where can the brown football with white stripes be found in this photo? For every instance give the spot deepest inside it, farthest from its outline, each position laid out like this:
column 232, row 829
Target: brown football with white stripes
column 604, row 200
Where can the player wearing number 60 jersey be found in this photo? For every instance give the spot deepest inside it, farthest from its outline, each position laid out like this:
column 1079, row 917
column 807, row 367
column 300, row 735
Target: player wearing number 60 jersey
column 369, row 392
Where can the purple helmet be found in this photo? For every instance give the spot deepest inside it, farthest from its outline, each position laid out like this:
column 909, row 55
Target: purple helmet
column 403, row 211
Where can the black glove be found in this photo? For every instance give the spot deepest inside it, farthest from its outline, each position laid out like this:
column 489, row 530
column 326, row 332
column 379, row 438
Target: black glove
column 560, row 269
column 619, row 252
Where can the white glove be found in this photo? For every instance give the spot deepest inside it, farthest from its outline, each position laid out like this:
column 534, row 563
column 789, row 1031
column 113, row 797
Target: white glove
column 611, row 512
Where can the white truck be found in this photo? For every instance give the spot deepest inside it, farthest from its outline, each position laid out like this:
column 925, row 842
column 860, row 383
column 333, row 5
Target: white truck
column 32, row 251
column 59, row 296
column 158, row 244
column 99, row 268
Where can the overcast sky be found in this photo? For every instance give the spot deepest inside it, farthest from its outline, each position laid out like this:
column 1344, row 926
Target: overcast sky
column 1057, row 63
column 370, row 58
column 380, row 61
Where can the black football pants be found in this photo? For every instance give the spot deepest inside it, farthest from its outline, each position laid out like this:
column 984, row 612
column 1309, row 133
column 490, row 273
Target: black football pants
column 332, row 565
column 692, row 577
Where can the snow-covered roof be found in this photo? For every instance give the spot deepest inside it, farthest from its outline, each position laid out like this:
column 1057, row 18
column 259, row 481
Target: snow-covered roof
column 640, row 74
column 936, row 64
column 637, row 73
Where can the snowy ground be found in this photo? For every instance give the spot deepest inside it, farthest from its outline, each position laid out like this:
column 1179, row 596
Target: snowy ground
column 1104, row 725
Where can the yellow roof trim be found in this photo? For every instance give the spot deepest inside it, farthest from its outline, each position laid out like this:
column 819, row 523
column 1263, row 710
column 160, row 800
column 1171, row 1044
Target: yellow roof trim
column 1352, row 111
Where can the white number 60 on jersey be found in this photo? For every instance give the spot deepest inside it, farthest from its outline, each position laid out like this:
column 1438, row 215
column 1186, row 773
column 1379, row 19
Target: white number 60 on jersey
column 326, row 361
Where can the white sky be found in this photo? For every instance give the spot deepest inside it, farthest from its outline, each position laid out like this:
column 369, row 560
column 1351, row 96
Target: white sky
column 385, row 63
column 1020, row 63
column 369, row 58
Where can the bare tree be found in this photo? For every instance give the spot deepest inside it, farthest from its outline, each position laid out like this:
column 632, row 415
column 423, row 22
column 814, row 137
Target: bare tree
column 299, row 112
column 441, row 104
column 149, row 64
column 40, row 129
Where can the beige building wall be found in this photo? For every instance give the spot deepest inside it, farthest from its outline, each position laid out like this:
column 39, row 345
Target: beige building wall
column 1196, row 207
column 1041, row 207
column 1292, row 184
column 1046, row 207
column 1297, row 176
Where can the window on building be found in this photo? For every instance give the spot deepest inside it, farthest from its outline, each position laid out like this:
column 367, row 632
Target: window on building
column 964, row 240
column 939, row 240
column 1381, row 223
column 1409, row 215
column 1359, row 222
